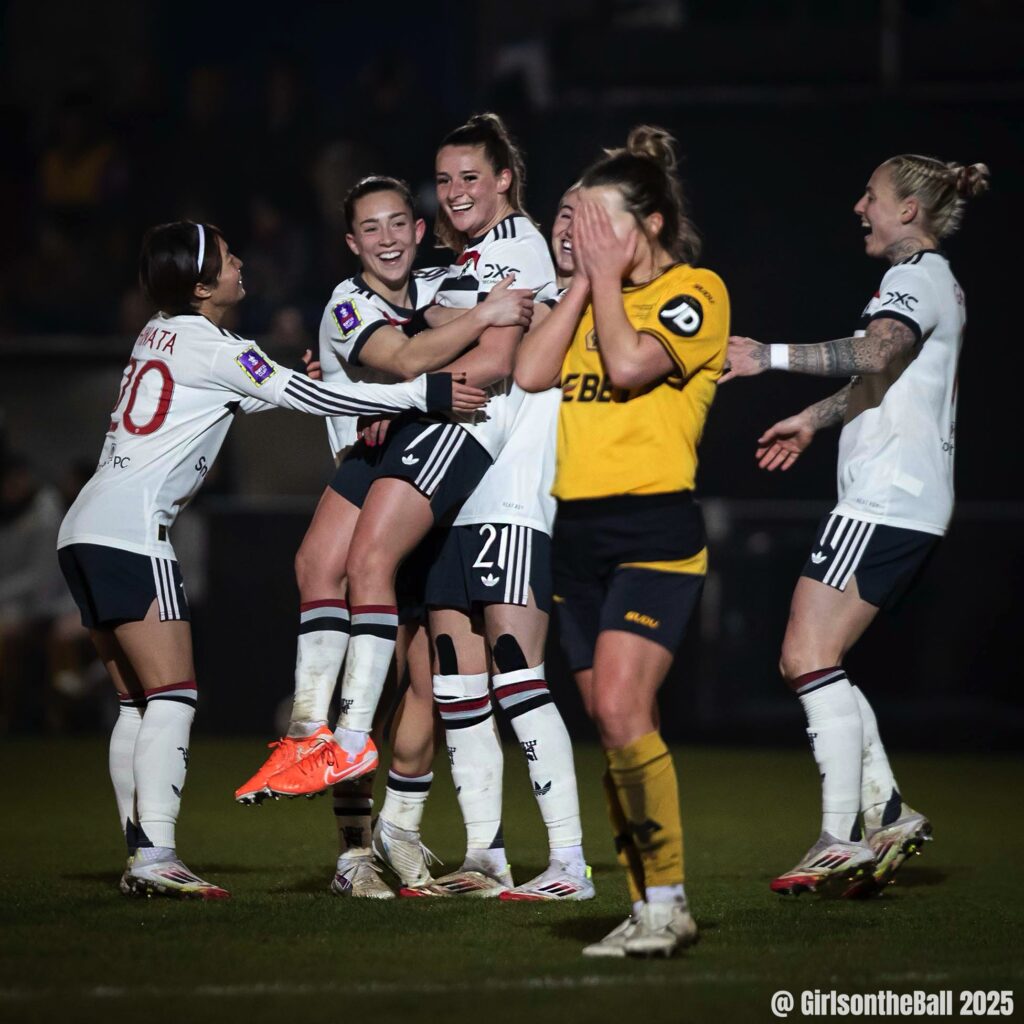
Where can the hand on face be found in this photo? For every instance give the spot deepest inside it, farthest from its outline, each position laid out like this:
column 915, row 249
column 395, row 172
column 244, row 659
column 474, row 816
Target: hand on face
column 599, row 252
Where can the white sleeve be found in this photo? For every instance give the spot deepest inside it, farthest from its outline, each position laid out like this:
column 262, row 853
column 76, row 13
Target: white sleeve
column 241, row 367
column 527, row 258
column 907, row 294
column 350, row 322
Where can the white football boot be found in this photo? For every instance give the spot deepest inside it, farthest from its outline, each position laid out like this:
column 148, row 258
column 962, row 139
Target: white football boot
column 830, row 867
column 473, row 881
column 614, row 943
column 557, row 882
column 358, row 874
column 894, row 843
column 170, row 878
column 661, row 929
column 403, row 852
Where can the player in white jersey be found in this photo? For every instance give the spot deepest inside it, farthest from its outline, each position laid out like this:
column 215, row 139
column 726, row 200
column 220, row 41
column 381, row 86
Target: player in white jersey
column 429, row 466
column 185, row 380
column 494, row 564
column 895, row 501
column 363, row 338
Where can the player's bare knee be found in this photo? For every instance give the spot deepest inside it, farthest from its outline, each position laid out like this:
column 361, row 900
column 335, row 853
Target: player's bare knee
column 368, row 562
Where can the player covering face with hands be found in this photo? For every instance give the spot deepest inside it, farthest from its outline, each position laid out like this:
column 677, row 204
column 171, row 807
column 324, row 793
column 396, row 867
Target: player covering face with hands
column 636, row 342
column 895, row 476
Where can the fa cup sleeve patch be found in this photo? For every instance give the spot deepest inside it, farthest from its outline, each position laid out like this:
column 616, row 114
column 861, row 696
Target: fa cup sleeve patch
column 346, row 316
column 256, row 366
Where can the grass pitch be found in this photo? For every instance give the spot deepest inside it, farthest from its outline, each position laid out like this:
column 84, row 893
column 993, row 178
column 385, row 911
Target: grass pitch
column 74, row 949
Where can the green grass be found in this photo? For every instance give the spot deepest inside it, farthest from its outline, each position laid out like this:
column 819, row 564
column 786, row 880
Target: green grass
column 71, row 948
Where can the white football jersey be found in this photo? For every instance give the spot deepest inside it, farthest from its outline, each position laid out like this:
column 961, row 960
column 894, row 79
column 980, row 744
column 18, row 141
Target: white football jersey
column 896, row 448
column 513, row 246
column 185, row 381
column 517, row 487
column 351, row 316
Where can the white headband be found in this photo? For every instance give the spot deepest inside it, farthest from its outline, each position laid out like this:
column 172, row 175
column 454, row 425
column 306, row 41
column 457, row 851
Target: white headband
column 202, row 248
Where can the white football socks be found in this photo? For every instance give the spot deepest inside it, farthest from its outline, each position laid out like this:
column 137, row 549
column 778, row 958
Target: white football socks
column 405, row 800
column 835, row 731
column 877, row 782
column 374, row 632
column 475, row 755
column 121, row 762
column 322, row 643
column 161, row 759
column 526, row 699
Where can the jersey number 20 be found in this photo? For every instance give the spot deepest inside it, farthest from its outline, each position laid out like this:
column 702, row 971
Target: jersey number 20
column 133, row 378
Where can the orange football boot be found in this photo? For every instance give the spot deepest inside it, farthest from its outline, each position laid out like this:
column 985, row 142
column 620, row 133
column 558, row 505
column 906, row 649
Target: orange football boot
column 285, row 752
column 323, row 766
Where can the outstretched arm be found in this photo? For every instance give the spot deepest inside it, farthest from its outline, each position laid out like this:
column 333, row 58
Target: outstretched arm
column 782, row 444
column 885, row 340
column 245, row 370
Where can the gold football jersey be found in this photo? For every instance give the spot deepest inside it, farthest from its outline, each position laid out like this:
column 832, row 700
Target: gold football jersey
column 644, row 441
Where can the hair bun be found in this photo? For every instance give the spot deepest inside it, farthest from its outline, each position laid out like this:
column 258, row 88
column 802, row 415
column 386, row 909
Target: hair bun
column 654, row 143
column 971, row 180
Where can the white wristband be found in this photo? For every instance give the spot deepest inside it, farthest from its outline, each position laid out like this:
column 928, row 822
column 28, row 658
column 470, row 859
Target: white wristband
column 778, row 356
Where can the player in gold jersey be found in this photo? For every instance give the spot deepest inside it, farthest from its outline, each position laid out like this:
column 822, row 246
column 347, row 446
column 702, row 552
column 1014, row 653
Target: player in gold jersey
column 636, row 342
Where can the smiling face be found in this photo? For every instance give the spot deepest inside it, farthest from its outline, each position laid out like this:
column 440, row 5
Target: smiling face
column 883, row 215
column 472, row 194
column 384, row 236
column 561, row 233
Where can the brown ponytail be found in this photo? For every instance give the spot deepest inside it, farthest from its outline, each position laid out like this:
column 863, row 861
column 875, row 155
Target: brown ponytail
column 489, row 132
column 645, row 171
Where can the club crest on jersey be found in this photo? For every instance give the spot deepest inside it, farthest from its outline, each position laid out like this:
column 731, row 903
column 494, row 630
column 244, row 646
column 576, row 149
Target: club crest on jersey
column 255, row 365
column 346, row 316
column 682, row 315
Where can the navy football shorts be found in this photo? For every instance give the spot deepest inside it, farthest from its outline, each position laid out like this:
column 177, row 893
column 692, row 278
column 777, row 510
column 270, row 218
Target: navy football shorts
column 491, row 563
column 884, row 560
column 112, row 586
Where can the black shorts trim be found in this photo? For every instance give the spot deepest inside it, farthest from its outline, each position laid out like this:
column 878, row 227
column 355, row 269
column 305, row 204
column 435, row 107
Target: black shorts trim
column 884, row 560
column 442, row 460
column 111, row 585
column 491, row 563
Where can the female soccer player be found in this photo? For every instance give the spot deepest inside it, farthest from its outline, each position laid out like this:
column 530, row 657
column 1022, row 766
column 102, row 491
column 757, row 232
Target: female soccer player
column 895, row 501
column 362, row 338
column 638, row 342
column 429, row 466
column 186, row 379
column 493, row 568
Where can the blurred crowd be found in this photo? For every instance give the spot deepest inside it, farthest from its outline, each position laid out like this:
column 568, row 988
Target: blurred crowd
column 273, row 180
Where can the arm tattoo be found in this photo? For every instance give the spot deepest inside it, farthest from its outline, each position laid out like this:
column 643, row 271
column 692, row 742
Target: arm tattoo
column 845, row 357
column 829, row 411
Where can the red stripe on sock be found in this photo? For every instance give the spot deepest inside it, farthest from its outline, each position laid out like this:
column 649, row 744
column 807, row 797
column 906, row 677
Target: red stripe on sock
column 813, row 677
column 477, row 704
column 373, row 609
column 188, row 684
column 526, row 684
column 306, row 606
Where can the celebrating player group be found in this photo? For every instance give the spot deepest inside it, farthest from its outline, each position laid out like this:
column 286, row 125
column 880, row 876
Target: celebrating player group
column 513, row 433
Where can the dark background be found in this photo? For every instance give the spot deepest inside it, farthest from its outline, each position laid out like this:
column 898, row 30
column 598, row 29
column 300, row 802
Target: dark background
column 117, row 115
